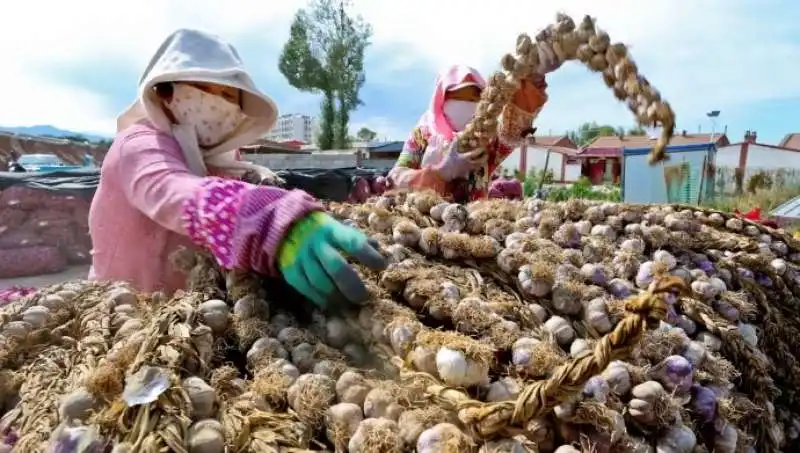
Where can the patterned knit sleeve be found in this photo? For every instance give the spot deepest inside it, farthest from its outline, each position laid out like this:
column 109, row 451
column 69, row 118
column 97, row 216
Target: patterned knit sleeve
column 514, row 120
column 241, row 224
column 410, row 160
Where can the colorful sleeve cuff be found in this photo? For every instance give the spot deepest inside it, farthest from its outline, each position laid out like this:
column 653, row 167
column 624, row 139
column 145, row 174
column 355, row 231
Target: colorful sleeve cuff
column 513, row 122
column 242, row 224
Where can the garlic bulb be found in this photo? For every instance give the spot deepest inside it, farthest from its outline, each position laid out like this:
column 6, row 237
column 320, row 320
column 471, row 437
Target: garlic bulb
column 456, row 369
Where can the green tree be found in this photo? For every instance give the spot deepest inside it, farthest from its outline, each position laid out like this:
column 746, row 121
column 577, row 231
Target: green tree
column 327, row 137
column 636, row 131
column 325, row 54
column 366, row 134
column 588, row 132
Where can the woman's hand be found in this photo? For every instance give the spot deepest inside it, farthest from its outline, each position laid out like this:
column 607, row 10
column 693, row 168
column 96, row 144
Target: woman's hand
column 311, row 259
column 428, row 178
column 531, row 95
column 455, row 164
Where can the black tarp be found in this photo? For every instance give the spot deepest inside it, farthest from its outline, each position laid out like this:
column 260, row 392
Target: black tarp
column 81, row 182
column 333, row 185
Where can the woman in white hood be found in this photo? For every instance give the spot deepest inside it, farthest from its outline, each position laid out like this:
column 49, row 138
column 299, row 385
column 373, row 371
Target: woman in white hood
column 172, row 179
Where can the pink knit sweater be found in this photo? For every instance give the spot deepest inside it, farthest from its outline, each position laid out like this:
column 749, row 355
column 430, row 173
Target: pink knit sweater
column 148, row 204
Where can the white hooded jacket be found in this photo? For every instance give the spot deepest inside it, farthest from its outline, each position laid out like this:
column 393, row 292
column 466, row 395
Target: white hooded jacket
column 195, row 56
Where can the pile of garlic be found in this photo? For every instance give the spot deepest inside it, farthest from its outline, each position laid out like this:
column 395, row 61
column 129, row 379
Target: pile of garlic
column 479, row 302
column 572, row 265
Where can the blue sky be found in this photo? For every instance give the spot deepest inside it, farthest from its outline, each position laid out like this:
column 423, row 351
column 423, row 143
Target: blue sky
column 79, row 68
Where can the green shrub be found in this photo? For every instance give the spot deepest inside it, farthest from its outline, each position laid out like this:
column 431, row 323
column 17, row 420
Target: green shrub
column 585, row 190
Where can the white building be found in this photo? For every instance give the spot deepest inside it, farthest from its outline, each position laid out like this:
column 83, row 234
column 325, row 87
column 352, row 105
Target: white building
column 750, row 157
column 294, row 126
column 564, row 160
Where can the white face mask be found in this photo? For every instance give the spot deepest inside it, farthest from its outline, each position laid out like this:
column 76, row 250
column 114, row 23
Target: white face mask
column 459, row 113
column 214, row 118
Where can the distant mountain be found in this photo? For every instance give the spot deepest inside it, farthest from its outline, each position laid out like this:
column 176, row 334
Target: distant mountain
column 50, row 131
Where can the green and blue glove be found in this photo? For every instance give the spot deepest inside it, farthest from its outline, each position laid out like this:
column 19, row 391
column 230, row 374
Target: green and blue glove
column 312, row 260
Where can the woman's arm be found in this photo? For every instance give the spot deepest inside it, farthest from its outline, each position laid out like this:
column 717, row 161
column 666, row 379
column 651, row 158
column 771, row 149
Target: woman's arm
column 520, row 113
column 408, row 173
column 410, row 160
column 517, row 117
column 240, row 223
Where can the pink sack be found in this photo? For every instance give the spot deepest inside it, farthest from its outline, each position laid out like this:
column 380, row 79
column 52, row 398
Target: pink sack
column 505, row 188
column 78, row 254
column 50, row 214
column 28, row 261
column 495, row 192
column 8, row 295
column 61, row 235
column 19, row 237
column 21, row 198
column 361, row 191
column 11, row 218
column 63, row 202
column 380, row 185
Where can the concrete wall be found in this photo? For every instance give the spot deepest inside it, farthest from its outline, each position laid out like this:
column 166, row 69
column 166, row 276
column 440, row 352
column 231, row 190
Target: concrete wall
column 781, row 164
column 324, row 160
column 378, row 163
column 766, row 158
column 572, row 172
column 536, row 158
column 728, row 156
column 301, row 161
column 759, row 157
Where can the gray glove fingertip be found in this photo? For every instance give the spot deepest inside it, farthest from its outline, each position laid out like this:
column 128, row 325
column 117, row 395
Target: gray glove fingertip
column 370, row 256
column 337, row 302
column 351, row 287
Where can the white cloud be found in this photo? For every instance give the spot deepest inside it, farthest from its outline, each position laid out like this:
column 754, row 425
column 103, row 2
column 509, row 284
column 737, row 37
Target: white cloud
column 701, row 54
column 41, row 33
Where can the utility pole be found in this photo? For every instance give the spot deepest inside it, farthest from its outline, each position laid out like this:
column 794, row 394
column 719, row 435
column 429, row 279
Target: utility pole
column 713, row 115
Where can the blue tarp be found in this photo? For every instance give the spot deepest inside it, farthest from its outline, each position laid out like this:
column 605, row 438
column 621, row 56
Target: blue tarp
column 670, row 149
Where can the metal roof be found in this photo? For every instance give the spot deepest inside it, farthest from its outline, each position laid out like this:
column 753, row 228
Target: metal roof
column 671, row 149
column 790, row 209
column 643, row 141
column 388, row 147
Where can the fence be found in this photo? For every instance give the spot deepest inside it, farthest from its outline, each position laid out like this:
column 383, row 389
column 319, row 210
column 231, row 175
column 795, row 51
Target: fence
column 726, row 181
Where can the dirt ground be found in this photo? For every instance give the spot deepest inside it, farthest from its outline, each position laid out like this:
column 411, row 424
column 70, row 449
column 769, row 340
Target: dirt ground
column 39, row 281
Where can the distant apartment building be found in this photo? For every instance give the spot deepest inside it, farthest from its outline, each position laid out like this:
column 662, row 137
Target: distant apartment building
column 294, row 127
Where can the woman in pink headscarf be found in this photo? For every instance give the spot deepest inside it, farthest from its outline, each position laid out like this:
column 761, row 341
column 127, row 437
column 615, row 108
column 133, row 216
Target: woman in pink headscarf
column 430, row 158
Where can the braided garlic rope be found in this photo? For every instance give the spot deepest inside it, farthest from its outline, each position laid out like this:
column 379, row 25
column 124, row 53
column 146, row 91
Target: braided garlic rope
column 594, row 49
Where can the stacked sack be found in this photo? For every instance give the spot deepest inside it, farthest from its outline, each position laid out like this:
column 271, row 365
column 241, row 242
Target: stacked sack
column 363, row 188
column 499, row 326
column 42, row 232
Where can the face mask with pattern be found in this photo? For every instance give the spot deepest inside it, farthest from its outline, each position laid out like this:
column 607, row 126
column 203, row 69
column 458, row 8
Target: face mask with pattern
column 214, row 118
